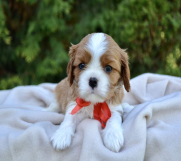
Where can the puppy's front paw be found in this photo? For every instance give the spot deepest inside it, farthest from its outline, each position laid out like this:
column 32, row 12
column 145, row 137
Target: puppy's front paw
column 62, row 138
column 113, row 139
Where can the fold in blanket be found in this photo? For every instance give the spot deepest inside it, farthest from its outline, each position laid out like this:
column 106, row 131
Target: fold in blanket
column 152, row 130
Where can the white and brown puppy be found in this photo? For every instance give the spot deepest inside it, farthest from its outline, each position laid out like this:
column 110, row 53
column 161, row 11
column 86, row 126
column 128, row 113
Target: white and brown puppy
column 97, row 69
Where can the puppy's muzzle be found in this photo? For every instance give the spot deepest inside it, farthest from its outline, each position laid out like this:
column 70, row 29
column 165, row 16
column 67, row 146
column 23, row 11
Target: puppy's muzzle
column 93, row 82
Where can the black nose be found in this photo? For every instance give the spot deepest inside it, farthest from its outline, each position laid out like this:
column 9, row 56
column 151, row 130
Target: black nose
column 93, row 82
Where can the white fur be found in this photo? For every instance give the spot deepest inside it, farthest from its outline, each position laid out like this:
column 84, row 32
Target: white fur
column 63, row 136
column 113, row 133
column 97, row 45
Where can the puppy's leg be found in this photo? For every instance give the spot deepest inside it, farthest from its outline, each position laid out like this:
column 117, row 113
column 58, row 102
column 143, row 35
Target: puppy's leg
column 63, row 136
column 54, row 107
column 113, row 133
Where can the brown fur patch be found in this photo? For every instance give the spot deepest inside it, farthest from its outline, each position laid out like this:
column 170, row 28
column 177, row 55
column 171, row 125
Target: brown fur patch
column 70, row 67
column 82, row 56
column 111, row 60
column 65, row 94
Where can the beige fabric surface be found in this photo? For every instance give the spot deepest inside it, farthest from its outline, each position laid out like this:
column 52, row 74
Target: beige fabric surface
column 152, row 130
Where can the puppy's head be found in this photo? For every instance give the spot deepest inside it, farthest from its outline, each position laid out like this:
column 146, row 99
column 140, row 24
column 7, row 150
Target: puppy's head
column 98, row 66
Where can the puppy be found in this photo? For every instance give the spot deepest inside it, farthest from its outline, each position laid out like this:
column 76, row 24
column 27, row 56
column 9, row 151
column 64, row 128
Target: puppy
column 97, row 70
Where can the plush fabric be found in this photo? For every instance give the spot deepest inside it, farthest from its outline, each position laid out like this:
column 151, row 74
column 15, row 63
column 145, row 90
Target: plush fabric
column 152, row 130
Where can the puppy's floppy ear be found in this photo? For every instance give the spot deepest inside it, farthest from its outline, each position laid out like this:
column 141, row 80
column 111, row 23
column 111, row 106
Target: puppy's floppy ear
column 125, row 72
column 70, row 67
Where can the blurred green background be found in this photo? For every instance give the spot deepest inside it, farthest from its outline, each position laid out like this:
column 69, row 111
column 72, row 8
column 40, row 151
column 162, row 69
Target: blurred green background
column 35, row 35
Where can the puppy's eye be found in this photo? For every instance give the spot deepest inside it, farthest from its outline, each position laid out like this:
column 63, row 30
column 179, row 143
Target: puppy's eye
column 108, row 68
column 81, row 66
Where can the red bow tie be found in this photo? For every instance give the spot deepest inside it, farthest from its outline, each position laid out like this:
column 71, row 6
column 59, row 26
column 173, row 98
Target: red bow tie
column 101, row 110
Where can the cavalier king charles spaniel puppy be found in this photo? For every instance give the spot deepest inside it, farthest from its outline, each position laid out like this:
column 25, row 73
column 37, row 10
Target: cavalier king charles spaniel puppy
column 97, row 70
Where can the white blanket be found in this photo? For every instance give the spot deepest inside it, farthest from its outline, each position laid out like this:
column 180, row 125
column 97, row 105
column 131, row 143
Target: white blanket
column 152, row 130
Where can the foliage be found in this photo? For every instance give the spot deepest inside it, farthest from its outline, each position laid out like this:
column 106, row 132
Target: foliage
column 35, row 36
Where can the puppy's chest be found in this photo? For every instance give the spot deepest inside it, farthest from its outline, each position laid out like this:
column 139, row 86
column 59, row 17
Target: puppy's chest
column 88, row 111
